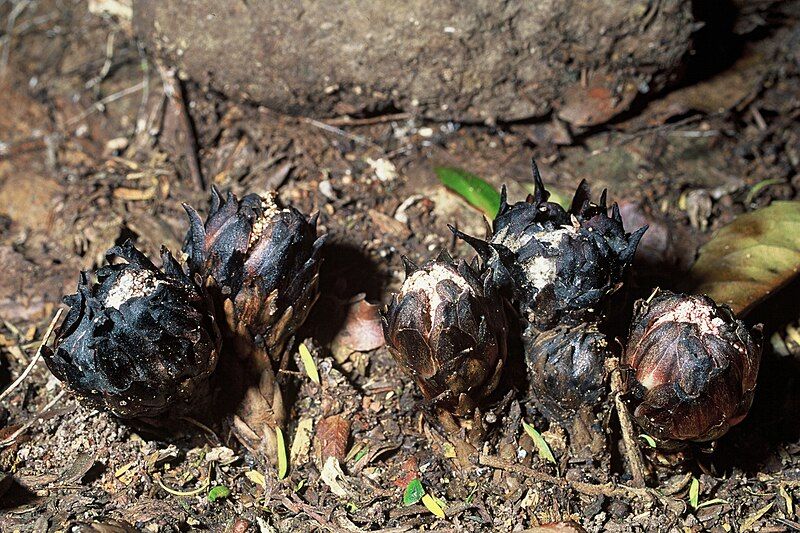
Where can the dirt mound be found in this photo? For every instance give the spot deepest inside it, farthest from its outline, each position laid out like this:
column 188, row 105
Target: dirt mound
column 467, row 61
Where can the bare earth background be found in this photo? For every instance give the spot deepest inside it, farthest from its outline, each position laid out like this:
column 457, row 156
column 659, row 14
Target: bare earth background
column 94, row 150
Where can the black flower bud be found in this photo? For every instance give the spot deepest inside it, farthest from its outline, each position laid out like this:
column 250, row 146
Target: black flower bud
column 447, row 329
column 566, row 366
column 693, row 367
column 558, row 265
column 136, row 339
column 260, row 261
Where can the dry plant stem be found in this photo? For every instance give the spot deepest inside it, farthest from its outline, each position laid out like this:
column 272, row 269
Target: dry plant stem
column 591, row 489
column 174, row 91
column 13, row 437
column 36, row 357
column 633, row 454
column 261, row 409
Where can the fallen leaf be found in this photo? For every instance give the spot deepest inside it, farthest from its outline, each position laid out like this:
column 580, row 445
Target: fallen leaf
column 362, row 330
column 283, row 464
column 135, row 195
column 331, row 438
column 79, row 468
column 333, row 476
column 751, row 519
column 220, row 454
column 433, row 505
column 541, row 445
column 390, row 225
column 308, row 364
column 256, row 477
column 597, row 101
column 565, row 527
column 750, row 258
column 413, row 493
column 219, row 492
column 473, row 189
column 694, row 493
column 301, row 444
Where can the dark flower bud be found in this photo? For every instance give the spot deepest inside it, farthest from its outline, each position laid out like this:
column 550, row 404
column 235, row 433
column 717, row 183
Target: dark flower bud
column 447, row 329
column 566, row 366
column 558, row 265
column 260, row 261
column 137, row 339
column 693, row 367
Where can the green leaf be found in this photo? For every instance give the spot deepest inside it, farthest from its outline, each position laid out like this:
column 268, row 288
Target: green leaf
column 308, row 363
column 750, row 258
column 473, row 189
column 283, row 463
column 218, row 493
column 648, row 439
column 413, row 493
column 694, row 493
column 361, row 453
column 541, row 445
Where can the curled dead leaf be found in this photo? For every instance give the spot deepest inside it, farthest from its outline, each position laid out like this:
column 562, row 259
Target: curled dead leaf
column 361, row 331
column 332, row 437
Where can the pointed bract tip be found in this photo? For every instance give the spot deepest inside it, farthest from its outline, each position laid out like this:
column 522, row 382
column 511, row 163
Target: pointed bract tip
column 540, row 193
column 409, row 265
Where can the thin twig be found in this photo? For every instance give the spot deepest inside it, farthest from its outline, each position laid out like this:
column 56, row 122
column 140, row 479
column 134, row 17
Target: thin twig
column 36, row 357
column 368, row 121
column 13, row 437
column 591, row 489
column 633, row 454
column 16, row 11
column 338, row 131
column 174, row 91
column 97, row 106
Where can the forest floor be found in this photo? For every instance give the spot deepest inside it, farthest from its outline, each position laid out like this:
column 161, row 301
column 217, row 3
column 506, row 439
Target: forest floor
column 93, row 151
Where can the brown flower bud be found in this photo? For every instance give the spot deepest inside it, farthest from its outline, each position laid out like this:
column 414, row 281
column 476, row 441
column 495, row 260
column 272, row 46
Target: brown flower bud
column 693, row 367
column 566, row 366
column 447, row 330
column 261, row 262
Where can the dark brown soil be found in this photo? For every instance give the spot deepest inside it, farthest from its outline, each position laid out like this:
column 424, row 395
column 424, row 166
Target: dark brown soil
column 92, row 152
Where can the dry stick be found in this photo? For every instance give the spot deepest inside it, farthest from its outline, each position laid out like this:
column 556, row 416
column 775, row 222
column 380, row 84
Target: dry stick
column 339, row 131
column 36, row 357
column 174, row 91
column 633, row 454
column 13, row 437
column 108, row 99
column 591, row 489
column 379, row 119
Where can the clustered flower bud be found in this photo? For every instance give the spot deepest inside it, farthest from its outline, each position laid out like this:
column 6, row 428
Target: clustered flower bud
column 446, row 328
column 136, row 339
column 260, row 262
column 559, row 267
column 693, row 367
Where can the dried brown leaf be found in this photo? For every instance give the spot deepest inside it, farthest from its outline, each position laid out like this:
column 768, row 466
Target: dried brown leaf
column 331, row 438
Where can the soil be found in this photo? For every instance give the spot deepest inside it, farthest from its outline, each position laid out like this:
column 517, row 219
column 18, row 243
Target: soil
column 93, row 151
column 470, row 61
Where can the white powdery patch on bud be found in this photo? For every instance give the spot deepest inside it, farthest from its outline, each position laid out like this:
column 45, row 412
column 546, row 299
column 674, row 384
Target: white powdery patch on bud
column 271, row 210
column 427, row 279
column 693, row 311
column 540, row 270
column 131, row 284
